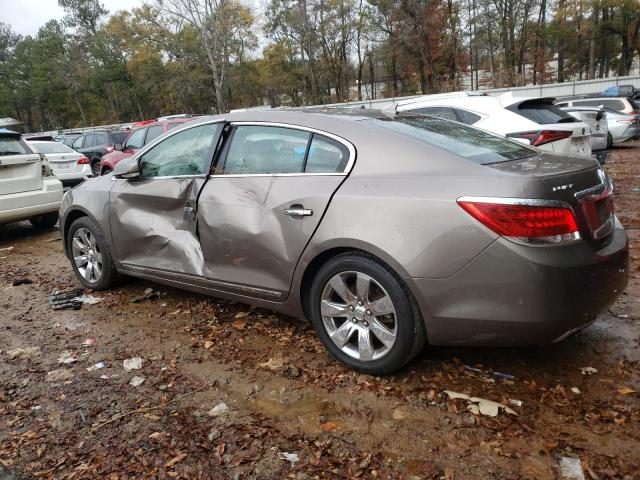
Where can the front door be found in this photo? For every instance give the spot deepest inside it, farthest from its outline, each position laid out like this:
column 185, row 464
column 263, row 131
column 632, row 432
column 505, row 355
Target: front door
column 154, row 218
column 259, row 210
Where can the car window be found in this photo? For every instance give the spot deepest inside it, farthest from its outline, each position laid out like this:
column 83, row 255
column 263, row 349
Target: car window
column 542, row 113
column 326, row 156
column 470, row 143
column 260, row 149
column 186, row 153
column 78, row 142
column 52, row 147
column 563, row 104
column 171, row 125
column 11, row 145
column 101, row 139
column 440, row 112
column 616, row 105
column 466, row 117
column 152, row 133
column 116, row 137
column 136, row 139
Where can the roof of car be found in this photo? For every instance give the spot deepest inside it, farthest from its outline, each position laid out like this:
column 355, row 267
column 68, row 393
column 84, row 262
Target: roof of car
column 6, row 131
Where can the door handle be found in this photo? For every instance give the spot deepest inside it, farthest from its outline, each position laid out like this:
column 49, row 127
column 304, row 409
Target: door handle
column 298, row 212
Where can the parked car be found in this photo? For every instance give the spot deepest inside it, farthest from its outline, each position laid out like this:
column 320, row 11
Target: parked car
column 618, row 104
column 386, row 233
column 532, row 121
column 69, row 166
column 137, row 139
column 28, row 188
column 622, row 126
column 67, row 138
column 97, row 143
column 596, row 118
column 622, row 91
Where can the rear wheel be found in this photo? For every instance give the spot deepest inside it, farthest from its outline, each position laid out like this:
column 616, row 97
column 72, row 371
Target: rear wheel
column 609, row 141
column 364, row 315
column 90, row 256
column 46, row 220
column 95, row 167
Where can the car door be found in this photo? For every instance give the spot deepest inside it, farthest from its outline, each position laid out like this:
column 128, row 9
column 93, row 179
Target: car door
column 259, row 209
column 154, row 217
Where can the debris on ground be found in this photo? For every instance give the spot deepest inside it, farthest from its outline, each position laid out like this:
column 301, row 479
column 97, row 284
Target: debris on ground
column 516, row 403
column 65, row 300
column 571, row 469
column 89, row 342
column 6, row 249
column 96, row 366
column 59, row 375
column 289, row 457
column 21, row 281
column 479, row 405
column 134, row 363
column 272, row 364
column 67, row 358
column 26, row 352
column 218, row 410
column 506, row 376
column 149, row 294
column 588, row 370
column 575, row 390
column 136, row 381
column 88, row 299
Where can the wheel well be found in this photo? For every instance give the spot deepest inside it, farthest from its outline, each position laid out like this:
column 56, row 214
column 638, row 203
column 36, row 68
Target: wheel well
column 71, row 217
column 313, row 268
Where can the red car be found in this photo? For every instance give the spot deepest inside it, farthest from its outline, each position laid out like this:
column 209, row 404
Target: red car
column 144, row 133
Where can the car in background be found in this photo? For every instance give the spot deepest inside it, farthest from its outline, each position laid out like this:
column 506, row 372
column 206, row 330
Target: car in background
column 596, row 118
column 622, row 91
column 622, row 126
column 28, row 188
column 95, row 144
column 532, row 121
column 69, row 166
column 67, row 138
column 138, row 138
column 618, row 104
column 465, row 237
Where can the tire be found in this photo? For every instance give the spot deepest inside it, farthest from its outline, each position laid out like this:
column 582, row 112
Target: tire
column 94, row 248
column 609, row 140
column 384, row 285
column 95, row 167
column 44, row 221
column 105, row 171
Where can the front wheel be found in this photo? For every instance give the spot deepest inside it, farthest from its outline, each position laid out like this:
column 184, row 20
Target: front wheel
column 95, row 168
column 609, row 141
column 364, row 314
column 90, row 256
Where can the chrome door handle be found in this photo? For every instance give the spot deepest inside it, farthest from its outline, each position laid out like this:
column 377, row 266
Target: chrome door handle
column 298, row 212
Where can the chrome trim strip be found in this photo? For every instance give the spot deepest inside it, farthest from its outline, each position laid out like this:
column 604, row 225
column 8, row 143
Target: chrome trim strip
column 530, row 202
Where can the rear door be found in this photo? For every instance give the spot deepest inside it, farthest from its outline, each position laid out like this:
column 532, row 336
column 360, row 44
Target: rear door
column 258, row 211
column 154, row 218
column 20, row 169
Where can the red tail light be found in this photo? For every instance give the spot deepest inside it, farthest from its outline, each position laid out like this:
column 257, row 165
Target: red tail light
column 83, row 161
column 541, row 137
column 529, row 223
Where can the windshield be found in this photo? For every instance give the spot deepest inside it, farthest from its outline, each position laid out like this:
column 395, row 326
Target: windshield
column 11, row 145
column 470, row 143
column 52, row 147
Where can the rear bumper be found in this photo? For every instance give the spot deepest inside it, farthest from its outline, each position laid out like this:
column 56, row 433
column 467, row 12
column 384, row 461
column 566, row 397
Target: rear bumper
column 520, row 295
column 629, row 133
column 73, row 177
column 24, row 205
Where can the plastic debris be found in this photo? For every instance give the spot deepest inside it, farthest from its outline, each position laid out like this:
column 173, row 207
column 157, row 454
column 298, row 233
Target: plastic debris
column 65, row 300
column 514, row 402
column 21, row 281
column 571, row 469
column 575, row 390
column 96, row 366
column 149, row 294
column 88, row 299
column 218, row 410
column 506, row 376
column 289, row 457
column 89, row 342
column 6, row 249
column 481, row 406
column 588, row 370
column 134, row 363
column 136, row 381
column 67, row 358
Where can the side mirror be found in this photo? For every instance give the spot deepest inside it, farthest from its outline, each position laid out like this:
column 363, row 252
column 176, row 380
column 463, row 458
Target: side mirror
column 118, row 146
column 127, row 169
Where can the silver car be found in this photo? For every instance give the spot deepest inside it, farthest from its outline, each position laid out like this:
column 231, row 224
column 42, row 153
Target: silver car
column 387, row 233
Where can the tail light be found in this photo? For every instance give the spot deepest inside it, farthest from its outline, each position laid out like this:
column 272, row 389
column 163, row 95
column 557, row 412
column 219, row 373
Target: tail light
column 524, row 221
column 540, row 137
column 83, row 161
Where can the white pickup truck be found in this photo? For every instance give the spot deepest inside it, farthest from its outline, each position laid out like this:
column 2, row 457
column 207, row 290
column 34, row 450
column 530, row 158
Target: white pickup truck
column 28, row 188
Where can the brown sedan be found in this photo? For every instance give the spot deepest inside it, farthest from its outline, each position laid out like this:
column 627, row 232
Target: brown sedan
column 386, row 233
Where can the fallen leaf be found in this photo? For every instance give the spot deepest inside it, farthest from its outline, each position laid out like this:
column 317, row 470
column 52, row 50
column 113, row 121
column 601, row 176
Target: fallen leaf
column 328, row 427
column 626, row 391
column 208, row 344
column 175, row 312
column 176, row 459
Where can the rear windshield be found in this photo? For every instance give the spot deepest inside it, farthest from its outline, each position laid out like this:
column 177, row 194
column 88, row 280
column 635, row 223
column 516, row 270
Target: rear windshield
column 119, row 137
column 543, row 113
column 11, row 145
column 470, row 143
column 52, row 148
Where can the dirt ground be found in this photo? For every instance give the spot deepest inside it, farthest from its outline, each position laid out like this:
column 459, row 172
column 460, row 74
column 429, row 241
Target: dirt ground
column 291, row 410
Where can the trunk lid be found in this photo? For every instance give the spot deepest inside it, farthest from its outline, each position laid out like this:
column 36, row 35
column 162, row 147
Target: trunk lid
column 576, row 181
column 20, row 173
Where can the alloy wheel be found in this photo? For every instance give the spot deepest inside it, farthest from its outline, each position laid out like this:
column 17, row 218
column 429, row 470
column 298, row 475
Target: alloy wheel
column 86, row 255
column 359, row 315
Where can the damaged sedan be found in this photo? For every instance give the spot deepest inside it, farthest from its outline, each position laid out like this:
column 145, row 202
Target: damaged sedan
column 387, row 233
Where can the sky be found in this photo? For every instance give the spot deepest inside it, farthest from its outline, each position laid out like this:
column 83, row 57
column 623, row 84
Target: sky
column 27, row 16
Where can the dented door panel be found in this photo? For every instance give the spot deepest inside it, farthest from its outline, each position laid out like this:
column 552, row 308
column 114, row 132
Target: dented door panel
column 248, row 241
column 154, row 223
